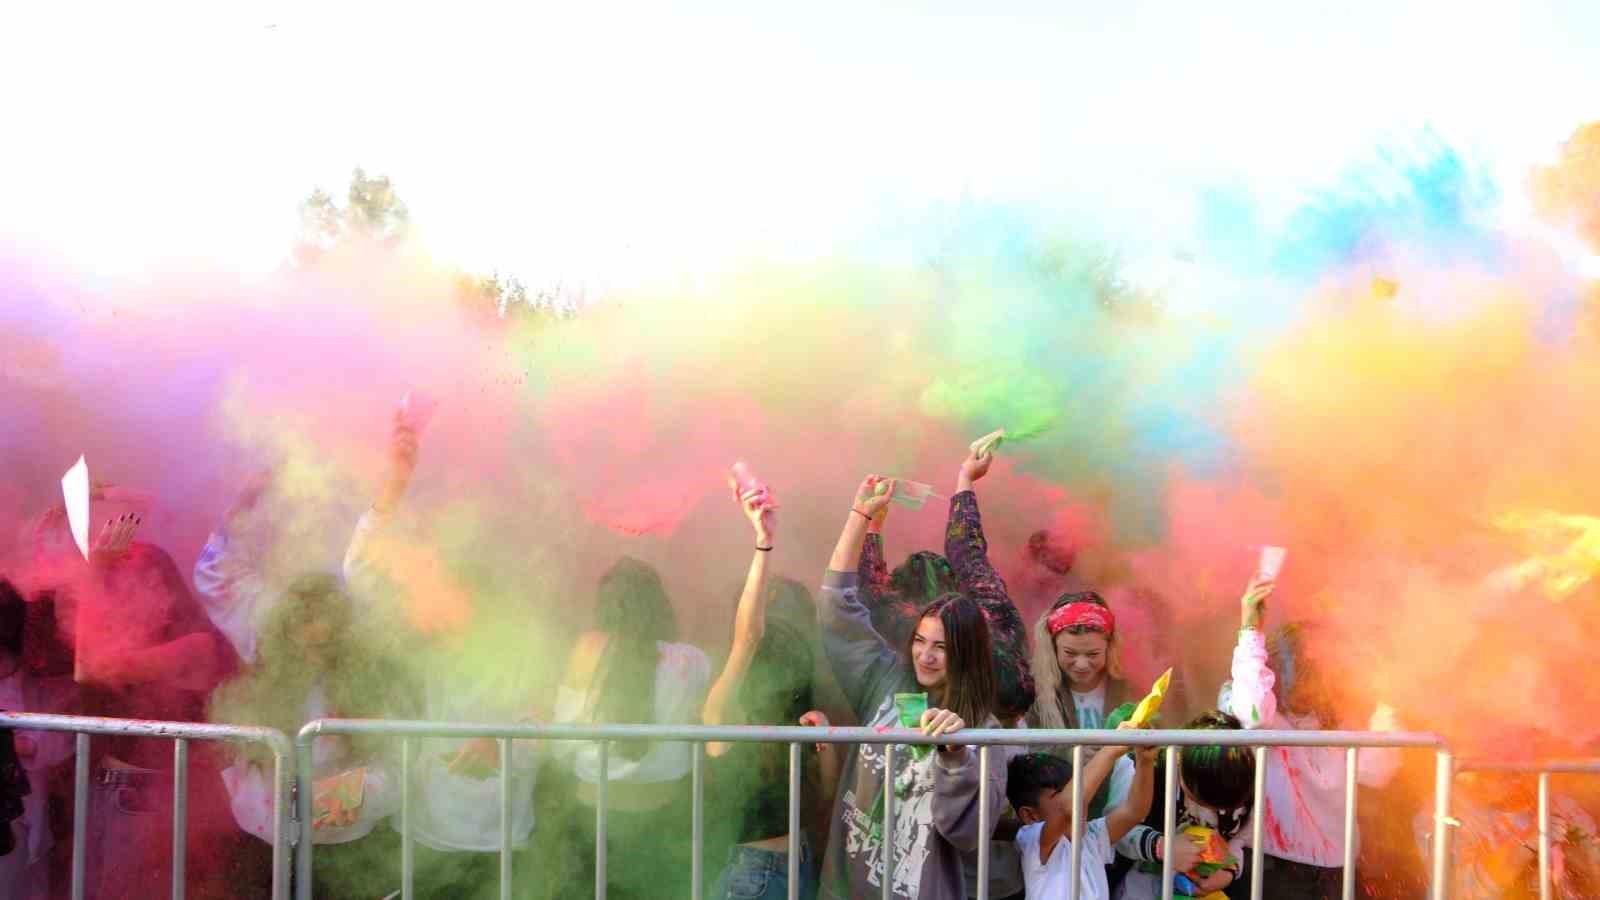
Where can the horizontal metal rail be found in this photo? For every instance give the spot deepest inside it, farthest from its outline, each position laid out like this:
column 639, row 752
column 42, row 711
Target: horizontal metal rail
column 180, row 733
column 796, row 736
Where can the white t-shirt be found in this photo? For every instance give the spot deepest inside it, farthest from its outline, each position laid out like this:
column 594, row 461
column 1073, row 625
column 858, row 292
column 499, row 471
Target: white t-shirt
column 683, row 674
column 1091, row 707
column 1051, row 880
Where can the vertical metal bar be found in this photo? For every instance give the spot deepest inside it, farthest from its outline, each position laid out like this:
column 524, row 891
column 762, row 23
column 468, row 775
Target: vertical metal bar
column 794, row 822
column 697, row 815
column 600, row 822
column 1444, row 773
column 985, row 825
column 1170, row 828
column 1258, row 818
column 80, row 815
column 1076, row 826
column 408, row 750
column 180, row 813
column 305, row 781
column 1544, row 836
column 888, row 822
column 505, row 819
column 282, row 821
column 1350, row 823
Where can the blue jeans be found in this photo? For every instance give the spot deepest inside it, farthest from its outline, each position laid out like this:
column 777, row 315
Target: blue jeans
column 753, row 874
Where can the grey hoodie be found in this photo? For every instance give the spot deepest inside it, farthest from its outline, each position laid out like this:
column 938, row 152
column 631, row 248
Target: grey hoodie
column 936, row 800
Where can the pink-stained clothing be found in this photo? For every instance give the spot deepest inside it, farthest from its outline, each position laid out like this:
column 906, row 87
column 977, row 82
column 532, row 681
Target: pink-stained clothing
column 1305, row 785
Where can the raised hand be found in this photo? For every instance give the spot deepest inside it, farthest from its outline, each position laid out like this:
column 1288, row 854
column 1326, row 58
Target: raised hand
column 872, row 499
column 1252, row 606
column 757, row 506
column 114, row 539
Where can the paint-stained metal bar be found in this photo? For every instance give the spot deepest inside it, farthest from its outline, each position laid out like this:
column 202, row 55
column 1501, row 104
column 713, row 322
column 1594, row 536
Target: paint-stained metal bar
column 985, row 826
column 80, row 815
column 180, row 815
column 794, row 822
column 1545, row 875
column 888, row 822
column 697, row 818
column 1258, row 816
column 600, row 822
column 505, row 819
column 1350, row 779
column 408, row 750
column 1075, row 828
column 303, row 796
column 1169, row 829
column 1444, row 774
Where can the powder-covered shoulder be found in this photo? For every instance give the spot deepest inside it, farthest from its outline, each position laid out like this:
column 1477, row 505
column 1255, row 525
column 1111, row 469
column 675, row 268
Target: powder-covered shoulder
column 686, row 662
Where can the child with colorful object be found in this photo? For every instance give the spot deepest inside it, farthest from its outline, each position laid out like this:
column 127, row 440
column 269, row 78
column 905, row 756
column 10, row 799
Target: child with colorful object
column 949, row 657
column 1037, row 785
column 1305, row 786
column 1217, row 790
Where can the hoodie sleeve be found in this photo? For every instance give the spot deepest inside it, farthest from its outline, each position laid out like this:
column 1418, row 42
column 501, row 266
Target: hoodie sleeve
column 1251, row 698
column 955, row 797
column 866, row 668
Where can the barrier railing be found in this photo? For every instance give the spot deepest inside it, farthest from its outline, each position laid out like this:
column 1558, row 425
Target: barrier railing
column 795, row 737
column 1544, row 770
column 181, row 733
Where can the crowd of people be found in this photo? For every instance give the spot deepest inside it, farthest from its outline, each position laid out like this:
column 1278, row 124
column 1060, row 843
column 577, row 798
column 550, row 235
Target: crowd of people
column 935, row 644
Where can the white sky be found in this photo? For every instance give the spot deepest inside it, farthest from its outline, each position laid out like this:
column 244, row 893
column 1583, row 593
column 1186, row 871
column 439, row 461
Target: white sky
column 643, row 138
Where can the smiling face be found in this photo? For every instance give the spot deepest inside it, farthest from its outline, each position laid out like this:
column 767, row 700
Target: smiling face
column 928, row 656
column 1082, row 658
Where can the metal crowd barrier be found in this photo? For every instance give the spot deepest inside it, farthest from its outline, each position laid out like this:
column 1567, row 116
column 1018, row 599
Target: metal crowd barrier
column 181, row 734
column 1544, row 770
column 795, row 737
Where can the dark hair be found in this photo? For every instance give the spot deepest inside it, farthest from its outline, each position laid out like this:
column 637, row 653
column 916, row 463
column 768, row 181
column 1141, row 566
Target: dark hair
column 1222, row 778
column 777, row 688
column 789, row 602
column 13, row 614
column 1051, row 554
column 1031, row 774
column 924, row 577
column 1301, row 688
column 969, row 682
column 631, row 605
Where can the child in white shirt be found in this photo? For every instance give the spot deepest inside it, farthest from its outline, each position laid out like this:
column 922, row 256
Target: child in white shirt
column 1038, row 786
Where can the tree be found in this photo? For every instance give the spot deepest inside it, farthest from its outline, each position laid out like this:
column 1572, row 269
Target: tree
column 373, row 216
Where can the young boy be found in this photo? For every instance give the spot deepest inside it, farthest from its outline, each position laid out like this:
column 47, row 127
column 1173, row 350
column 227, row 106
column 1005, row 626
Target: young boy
column 1038, row 786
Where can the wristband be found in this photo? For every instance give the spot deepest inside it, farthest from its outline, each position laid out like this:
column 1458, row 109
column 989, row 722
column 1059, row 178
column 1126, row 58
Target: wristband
column 763, row 549
column 861, row 514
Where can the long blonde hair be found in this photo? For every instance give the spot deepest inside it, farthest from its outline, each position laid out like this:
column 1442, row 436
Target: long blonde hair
column 1047, row 674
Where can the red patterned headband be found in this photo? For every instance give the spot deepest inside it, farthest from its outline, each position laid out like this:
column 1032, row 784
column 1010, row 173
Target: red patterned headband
column 1089, row 615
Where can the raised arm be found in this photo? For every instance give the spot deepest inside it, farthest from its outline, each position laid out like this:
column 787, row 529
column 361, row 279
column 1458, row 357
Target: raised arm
column 749, row 620
column 1251, row 698
column 1135, row 804
column 862, row 663
column 964, row 542
column 363, row 564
